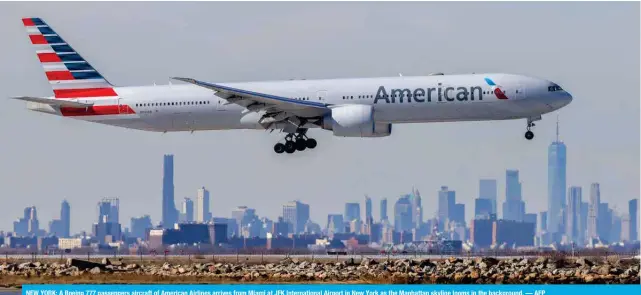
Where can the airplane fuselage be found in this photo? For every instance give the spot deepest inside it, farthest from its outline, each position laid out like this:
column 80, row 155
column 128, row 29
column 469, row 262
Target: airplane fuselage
column 422, row 99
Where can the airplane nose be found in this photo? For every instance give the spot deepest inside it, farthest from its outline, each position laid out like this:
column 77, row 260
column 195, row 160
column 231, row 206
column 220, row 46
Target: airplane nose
column 560, row 99
column 567, row 98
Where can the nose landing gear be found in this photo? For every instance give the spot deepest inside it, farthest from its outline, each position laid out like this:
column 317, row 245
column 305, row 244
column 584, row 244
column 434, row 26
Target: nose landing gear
column 295, row 142
column 529, row 134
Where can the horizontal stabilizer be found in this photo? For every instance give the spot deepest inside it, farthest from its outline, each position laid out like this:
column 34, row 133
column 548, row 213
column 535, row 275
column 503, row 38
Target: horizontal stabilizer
column 54, row 102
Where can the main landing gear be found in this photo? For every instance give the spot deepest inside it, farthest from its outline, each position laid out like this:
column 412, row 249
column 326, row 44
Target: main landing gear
column 295, row 142
column 529, row 134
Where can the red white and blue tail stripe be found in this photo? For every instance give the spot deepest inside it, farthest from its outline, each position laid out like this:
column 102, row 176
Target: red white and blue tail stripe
column 69, row 74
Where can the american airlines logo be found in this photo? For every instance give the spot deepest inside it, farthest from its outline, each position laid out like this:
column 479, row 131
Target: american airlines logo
column 440, row 94
column 437, row 94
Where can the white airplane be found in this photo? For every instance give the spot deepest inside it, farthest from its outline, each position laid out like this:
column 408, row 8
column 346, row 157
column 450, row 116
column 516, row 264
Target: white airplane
column 361, row 107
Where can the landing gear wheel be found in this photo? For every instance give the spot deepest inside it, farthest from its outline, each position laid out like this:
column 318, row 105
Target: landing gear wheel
column 311, row 143
column 529, row 135
column 301, row 144
column 279, row 148
column 290, row 147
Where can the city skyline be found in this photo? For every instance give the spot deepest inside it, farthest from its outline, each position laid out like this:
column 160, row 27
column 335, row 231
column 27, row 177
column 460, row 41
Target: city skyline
column 201, row 209
column 600, row 128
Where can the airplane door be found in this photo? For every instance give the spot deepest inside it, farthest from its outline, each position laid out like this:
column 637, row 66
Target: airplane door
column 322, row 95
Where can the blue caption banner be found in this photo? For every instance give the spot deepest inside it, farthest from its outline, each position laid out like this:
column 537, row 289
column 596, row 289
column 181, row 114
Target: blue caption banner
column 329, row 289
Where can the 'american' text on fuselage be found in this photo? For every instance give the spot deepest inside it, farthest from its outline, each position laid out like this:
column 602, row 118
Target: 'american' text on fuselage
column 425, row 94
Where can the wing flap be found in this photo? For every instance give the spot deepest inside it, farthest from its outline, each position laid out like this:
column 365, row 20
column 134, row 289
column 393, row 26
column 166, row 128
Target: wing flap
column 54, row 102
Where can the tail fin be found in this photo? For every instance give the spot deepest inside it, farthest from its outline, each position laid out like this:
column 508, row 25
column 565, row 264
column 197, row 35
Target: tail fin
column 69, row 74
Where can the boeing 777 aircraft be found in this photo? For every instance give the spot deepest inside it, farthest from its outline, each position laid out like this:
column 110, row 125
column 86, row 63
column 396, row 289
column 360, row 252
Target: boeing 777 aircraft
column 360, row 107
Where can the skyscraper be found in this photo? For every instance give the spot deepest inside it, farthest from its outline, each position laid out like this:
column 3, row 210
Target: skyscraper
column 514, row 207
column 352, row 212
column 446, row 201
column 109, row 210
column 203, row 215
column 593, row 211
column 187, row 210
column 403, row 214
column 169, row 212
column 368, row 211
column 296, row 214
column 417, row 208
column 28, row 225
column 633, row 213
column 604, row 222
column 384, row 209
column 556, row 183
column 543, row 225
column 488, row 191
column 335, row 224
column 108, row 228
column 573, row 229
column 65, row 219
column 482, row 208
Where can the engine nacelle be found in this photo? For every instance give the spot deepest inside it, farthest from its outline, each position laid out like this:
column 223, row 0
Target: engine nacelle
column 355, row 121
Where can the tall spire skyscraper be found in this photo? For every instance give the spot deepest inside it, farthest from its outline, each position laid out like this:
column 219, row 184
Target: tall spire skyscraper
column 169, row 213
column 556, row 184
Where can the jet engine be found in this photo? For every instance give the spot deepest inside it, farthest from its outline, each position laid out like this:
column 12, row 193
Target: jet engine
column 355, row 121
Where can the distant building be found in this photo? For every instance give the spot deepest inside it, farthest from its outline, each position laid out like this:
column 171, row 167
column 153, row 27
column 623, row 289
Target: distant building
column 573, row 229
column 514, row 207
column 203, row 213
column 383, row 209
column 446, row 202
column 530, row 218
column 482, row 208
column 281, row 227
column 47, row 243
column 352, row 212
column 70, row 243
column 417, row 208
column 488, row 191
column 625, row 228
column 56, row 228
column 633, row 213
column 544, row 221
column 21, row 242
column 140, row 226
column 481, row 232
column 368, row 210
column 513, row 233
column 556, row 184
column 65, row 219
column 28, row 225
column 335, row 224
column 593, row 211
column 297, row 214
column 169, row 212
column 218, row 233
column 403, row 214
column 187, row 211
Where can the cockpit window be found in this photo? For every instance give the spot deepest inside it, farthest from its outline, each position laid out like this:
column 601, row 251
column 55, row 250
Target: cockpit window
column 554, row 88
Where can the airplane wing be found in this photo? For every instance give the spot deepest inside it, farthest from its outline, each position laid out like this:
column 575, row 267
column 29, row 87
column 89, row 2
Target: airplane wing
column 275, row 108
column 54, row 102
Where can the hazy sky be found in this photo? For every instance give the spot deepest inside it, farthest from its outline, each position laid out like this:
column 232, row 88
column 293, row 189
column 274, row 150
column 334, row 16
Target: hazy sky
column 590, row 49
